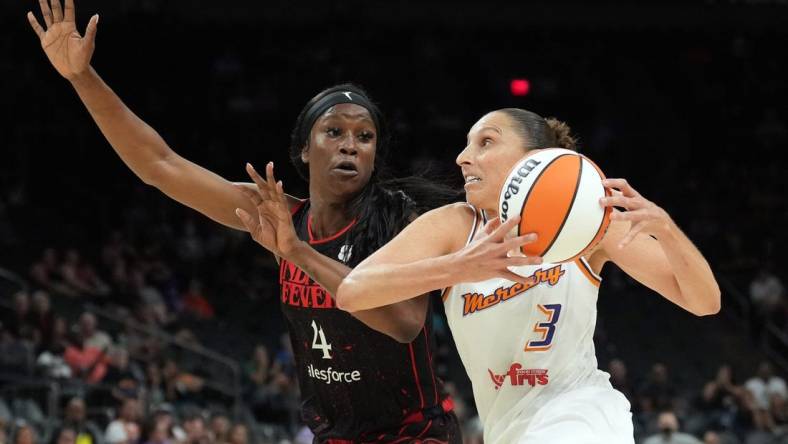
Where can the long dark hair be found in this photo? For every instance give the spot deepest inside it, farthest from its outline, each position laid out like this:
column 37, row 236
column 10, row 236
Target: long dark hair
column 385, row 204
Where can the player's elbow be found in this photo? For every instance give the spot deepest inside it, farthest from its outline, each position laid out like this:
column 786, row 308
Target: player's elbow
column 711, row 303
column 347, row 297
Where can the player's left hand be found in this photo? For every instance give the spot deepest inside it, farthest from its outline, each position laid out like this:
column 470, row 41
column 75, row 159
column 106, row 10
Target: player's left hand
column 272, row 226
column 644, row 215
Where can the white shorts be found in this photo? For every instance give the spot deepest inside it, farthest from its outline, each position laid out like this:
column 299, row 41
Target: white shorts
column 590, row 415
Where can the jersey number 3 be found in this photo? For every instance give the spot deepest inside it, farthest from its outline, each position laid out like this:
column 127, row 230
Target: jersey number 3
column 322, row 344
column 545, row 329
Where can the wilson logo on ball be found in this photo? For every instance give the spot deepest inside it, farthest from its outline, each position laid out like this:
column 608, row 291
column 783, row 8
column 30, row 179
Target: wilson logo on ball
column 556, row 192
column 513, row 186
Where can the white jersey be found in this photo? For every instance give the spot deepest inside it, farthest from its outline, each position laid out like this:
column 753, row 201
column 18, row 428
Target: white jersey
column 524, row 344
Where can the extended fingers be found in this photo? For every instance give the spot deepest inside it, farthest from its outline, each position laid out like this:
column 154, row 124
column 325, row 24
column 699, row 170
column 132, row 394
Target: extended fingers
column 504, row 229
column 46, row 12
column 634, row 216
column 620, row 184
column 269, row 176
column 620, row 201
column 254, row 196
column 68, row 15
column 491, row 225
column 261, row 183
column 35, row 25
column 90, row 31
column 518, row 261
column 57, row 12
column 246, row 219
column 517, row 242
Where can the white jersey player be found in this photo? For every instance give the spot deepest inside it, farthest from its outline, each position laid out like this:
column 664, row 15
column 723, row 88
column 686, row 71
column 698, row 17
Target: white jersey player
column 524, row 328
column 526, row 344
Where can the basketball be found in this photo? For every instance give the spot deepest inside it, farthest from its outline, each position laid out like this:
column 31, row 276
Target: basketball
column 556, row 192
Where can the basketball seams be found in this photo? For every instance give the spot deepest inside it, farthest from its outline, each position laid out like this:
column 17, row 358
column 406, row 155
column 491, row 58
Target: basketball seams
column 530, row 190
column 571, row 205
column 604, row 224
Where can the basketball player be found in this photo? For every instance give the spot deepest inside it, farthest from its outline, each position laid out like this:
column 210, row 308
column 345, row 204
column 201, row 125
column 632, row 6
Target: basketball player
column 525, row 335
column 358, row 385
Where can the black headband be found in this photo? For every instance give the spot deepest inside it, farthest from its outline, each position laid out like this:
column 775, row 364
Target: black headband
column 335, row 98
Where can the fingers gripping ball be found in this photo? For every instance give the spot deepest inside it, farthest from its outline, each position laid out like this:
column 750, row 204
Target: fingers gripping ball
column 556, row 192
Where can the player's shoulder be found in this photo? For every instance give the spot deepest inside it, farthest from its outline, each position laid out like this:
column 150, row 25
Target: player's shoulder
column 451, row 222
column 451, row 214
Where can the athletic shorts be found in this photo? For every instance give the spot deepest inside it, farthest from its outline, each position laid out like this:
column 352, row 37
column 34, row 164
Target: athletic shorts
column 590, row 415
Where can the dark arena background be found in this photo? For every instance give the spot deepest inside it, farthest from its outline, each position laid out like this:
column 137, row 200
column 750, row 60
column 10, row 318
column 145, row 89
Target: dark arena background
column 688, row 100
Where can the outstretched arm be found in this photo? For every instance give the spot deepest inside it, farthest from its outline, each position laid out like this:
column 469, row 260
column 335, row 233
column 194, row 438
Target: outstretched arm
column 646, row 243
column 138, row 145
column 430, row 255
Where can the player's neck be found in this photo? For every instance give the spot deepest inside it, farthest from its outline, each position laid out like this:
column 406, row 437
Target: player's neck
column 328, row 218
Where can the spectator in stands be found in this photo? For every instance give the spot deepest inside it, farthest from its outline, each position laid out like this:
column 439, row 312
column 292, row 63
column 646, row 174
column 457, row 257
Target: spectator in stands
column 164, row 414
column 86, row 362
column 19, row 323
column 258, row 369
column 65, row 435
column 765, row 387
column 154, row 385
column 711, row 437
column 24, row 434
column 239, row 434
column 195, row 303
column 659, row 391
column 158, row 433
column 59, row 340
column 91, row 335
column 15, row 354
column 124, row 376
column 141, row 346
column 79, row 277
column 125, row 428
column 721, row 400
column 3, row 431
column 194, row 426
column 669, row 431
column 149, row 296
column 179, row 385
column 619, row 379
column 85, row 430
column 220, row 428
column 46, row 274
column 766, row 291
column 42, row 318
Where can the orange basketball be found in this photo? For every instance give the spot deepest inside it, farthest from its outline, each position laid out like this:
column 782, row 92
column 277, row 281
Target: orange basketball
column 556, row 192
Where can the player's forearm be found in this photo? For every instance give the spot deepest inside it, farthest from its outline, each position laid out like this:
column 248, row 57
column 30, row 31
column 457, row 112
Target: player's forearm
column 400, row 321
column 699, row 289
column 138, row 145
column 383, row 284
column 322, row 269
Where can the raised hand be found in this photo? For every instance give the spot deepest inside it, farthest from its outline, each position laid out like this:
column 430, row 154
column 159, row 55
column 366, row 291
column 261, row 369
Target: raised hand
column 272, row 226
column 646, row 217
column 68, row 51
column 489, row 255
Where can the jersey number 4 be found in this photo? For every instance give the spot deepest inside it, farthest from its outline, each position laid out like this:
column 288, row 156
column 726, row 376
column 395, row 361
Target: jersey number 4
column 545, row 329
column 319, row 341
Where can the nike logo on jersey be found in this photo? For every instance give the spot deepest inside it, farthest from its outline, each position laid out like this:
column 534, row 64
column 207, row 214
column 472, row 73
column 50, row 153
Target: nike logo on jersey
column 477, row 301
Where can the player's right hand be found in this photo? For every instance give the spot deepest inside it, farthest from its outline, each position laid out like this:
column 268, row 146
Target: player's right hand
column 68, row 51
column 489, row 255
column 273, row 225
